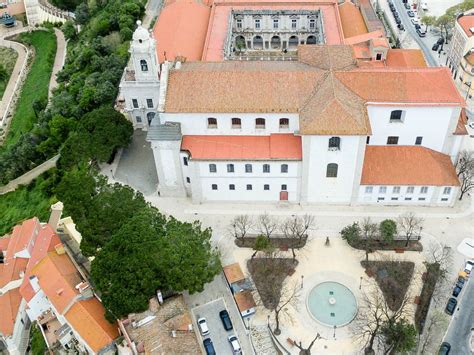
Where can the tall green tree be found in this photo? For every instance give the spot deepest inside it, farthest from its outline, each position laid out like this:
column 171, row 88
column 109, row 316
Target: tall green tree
column 399, row 335
column 388, row 230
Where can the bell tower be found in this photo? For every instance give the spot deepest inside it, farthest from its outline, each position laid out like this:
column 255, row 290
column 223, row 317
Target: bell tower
column 143, row 52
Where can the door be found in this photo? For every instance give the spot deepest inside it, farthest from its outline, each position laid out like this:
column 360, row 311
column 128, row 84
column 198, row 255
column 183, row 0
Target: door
column 283, row 195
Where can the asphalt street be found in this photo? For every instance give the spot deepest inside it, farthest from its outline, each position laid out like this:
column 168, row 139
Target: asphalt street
column 424, row 45
column 459, row 330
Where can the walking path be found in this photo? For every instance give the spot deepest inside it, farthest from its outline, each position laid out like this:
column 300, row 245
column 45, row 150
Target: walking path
column 58, row 60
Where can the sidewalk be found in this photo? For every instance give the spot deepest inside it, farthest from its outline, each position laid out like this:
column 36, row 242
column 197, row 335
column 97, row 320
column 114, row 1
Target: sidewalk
column 59, row 59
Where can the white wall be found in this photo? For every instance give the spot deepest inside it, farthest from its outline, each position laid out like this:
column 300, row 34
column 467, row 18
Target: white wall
column 316, row 186
column 196, row 123
column 168, row 164
column 141, row 91
column 433, row 197
column 433, row 123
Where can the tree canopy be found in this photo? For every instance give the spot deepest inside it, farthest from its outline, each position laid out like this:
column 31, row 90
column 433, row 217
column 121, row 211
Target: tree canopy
column 148, row 252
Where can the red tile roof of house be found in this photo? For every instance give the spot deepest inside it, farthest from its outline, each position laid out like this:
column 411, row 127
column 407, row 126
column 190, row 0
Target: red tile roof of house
column 400, row 165
column 467, row 22
column 461, row 129
column 233, row 273
column 244, row 300
column 275, row 146
column 353, row 23
column 406, row 58
column 181, row 30
column 9, row 305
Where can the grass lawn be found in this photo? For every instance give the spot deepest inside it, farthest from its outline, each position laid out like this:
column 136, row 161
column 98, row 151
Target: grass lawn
column 393, row 278
column 23, row 203
column 36, row 84
column 268, row 275
column 8, row 58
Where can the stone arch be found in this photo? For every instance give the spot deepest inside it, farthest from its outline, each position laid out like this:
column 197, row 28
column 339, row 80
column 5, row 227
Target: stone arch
column 275, row 42
column 240, row 42
column 257, row 42
column 150, row 116
column 311, row 40
column 293, row 42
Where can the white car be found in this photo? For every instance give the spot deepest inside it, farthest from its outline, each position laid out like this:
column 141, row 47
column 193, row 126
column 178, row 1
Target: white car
column 468, row 267
column 203, row 328
column 234, row 343
column 415, row 21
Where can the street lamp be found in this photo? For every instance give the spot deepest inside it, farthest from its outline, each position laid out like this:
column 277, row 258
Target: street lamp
column 334, row 335
column 302, row 277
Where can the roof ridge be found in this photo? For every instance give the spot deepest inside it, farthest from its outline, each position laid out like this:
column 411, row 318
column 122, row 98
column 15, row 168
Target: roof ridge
column 314, row 91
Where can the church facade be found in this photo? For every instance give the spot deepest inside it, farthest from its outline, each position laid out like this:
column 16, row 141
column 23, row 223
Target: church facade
column 323, row 127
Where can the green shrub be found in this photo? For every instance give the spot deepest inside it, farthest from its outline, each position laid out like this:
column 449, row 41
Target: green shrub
column 351, row 233
column 388, row 230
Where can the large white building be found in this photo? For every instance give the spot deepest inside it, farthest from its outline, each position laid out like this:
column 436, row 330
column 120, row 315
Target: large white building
column 324, row 128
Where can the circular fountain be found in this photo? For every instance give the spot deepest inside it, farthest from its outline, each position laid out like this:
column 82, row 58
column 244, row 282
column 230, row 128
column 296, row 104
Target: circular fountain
column 332, row 304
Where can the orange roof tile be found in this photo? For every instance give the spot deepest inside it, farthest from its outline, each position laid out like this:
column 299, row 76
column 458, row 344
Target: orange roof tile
column 364, row 37
column 380, row 42
column 353, row 23
column 87, row 318
column 461, row 129
column 275, row 146
column 181, row 30
column 9, row 305
column 406, row 58
column 397, row 165
column 467, row 22
column 244, row 300
column 4, row 242
column 403, row 85
column 233, row 273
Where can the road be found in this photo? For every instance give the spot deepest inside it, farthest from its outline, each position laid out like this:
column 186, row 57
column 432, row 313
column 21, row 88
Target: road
column 424, row 45
column 459, row 330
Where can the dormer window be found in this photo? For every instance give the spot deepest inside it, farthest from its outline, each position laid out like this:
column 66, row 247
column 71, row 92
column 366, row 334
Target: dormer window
column 378, row 56
column 236, row 123
column 260, row 123
column 334, row 143
column 284, row 123
column 144, row 65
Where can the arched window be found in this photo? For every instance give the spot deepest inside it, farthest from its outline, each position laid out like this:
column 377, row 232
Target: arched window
column 311, row 40
column 150, row 116
column 211, row 122
column 331, row 170
column 275, row 42
column 257, row 42
column 240, row 42
column 236, row 123
column 230, row 168
column 293, row 42
column 144, row 65
column 284, row 123
column 260, row 123
column 334, row 143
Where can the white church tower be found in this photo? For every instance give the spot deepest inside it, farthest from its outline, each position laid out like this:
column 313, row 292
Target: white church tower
column 140, row 84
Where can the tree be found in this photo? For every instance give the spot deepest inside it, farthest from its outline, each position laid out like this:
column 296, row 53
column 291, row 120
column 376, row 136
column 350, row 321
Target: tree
column 262, row 243
column 351, row 233
column 399, row 336
column 69, row 30
column 307, row 351
column 148, row 252
column 388, row 230
column 267, row 225
column 39, row 105
column 465, row 162
column 410, row 226
column 369, row 232
column 437, row 319
column 296, row 229
column 240, row 226
column 444, row 22
column 428, row 21
column 290, row 295
column 467, row 183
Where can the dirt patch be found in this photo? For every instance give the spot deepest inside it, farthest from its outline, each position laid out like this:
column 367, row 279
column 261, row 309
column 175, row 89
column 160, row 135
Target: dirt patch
column 398, row 245
column 278, row 243
column 268, row 275
column 430, row 278
column 393, row 278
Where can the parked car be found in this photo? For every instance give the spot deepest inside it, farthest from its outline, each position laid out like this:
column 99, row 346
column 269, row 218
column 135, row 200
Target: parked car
column 401, row 27
column 410, row 13
column 435, row 47
column 407, row 6
column 396, row 15
column 234, row 344
column 417, row 27
column 421, row 34
column 398, row 21
column 415, row 21
column 468, row 267
column 456, row 291
column 226, row 322
column 444, row 348
column 461, row 281
column 440, row 40
column 209, row 347
column 391, row 7
column 451, row 306
column 203, row 328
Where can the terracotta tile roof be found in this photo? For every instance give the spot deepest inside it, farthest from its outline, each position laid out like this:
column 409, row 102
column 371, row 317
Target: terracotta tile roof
column 423, row 85
column 57, row 277
column 275, row 146
column 399, row 165
column 353, row 23
column 239, row 87
column 461, row 129
column 337, row 57
column 87, row 318
column 364, row 37
column 244, row 300
column 233, row 273
column 9, row 305
column 467, row 22
column 334, row 109
column 4, row 242
column 181, row 30
column 380, row 42
column 406, row 58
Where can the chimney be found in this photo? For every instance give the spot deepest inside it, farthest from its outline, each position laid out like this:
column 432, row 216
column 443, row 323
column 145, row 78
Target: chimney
column 85, row 290
column 55, row 216
column 34, row 282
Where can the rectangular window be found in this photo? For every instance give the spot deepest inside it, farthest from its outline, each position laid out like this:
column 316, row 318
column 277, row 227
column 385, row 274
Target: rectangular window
column 149, row 103
column 257, row 24
column 424, row 190
column 248, row 168
column 407, row 198
column 410, row 189
column 392, row 140
column 188, row 180
column 369, row 189
column 447, row 191
column 293, row 24
column 214, row 186
column 368, row 140
column 394, row 198
column 212, row 168
column 135, row 103
column 396, row 190
column 230, row 168
column 284, row 168
column 266, row 187
column 421, row 199
column 283, row 187
column 418, row 140
column 381, row 199
column 138, row 119
column 239, row 24
column 185, row 161
column 275, row 23
column 249, row 187
column 312, row 24
column 231, row 187
column 382, row 189
column 444, row 199
column 396, row 116
column 266, row 168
